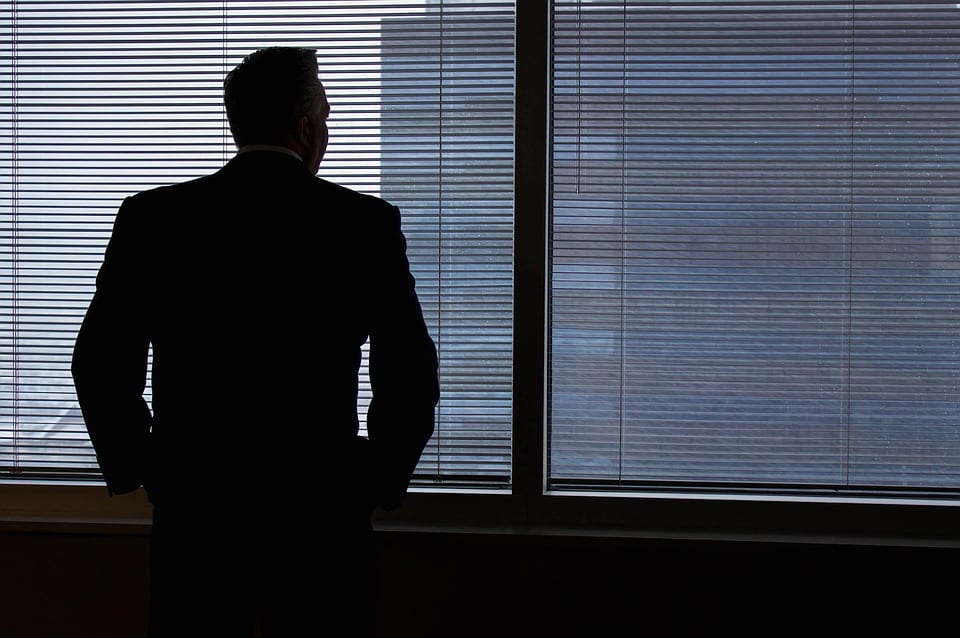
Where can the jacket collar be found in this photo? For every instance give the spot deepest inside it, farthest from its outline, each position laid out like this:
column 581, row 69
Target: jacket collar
column 250, row 148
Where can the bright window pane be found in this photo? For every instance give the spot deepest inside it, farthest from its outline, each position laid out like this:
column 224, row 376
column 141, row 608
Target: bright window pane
column 100, row 100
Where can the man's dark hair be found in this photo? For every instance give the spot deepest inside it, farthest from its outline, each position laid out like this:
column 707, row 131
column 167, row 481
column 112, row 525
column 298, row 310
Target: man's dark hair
column 269, row 91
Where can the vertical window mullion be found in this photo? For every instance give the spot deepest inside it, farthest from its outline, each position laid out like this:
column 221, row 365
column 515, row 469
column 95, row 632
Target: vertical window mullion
column 530, row 255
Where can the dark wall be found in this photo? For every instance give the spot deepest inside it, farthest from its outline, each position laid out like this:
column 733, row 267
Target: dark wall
column 66, row 585
column 72, row 585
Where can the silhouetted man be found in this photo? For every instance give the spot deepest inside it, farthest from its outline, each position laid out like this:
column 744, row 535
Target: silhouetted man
column 256, row 287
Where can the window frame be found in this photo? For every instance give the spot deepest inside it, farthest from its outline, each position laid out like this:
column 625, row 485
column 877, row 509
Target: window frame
column 529, row 508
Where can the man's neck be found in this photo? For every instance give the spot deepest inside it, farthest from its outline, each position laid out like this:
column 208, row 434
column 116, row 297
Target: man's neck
column 268, row 147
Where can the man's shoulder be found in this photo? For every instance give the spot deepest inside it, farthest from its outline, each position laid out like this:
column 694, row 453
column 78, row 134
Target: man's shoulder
column 170, row 191
column 215, row 188
column 355, row 199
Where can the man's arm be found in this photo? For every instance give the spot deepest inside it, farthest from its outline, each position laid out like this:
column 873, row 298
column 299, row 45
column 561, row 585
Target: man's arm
column 403, row 371
column 110, row 360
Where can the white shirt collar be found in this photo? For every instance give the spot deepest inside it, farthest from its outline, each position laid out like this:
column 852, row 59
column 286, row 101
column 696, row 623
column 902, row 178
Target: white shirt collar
column 268, row 147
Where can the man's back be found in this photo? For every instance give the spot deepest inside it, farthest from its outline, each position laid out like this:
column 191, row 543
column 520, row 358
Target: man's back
column 257, row 285
column 261, row 276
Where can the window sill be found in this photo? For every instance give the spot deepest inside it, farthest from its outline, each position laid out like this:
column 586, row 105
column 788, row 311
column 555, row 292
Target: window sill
column 71, row 507
column 86, row 508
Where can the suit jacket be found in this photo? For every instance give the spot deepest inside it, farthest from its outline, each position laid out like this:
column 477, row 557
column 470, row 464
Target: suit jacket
column 254, row 289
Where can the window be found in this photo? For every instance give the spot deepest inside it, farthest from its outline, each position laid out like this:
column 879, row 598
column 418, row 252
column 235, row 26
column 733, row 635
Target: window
column 691, row 265
column 101, row 100
column 755, row 250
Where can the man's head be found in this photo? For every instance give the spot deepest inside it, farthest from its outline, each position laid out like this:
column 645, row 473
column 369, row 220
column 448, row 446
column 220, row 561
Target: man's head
column 275, row 97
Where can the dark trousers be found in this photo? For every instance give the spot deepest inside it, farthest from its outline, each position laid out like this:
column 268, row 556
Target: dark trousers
column 272, row 572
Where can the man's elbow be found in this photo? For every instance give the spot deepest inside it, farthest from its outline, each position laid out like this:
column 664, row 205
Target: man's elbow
column 434, row 392
column 79, row 368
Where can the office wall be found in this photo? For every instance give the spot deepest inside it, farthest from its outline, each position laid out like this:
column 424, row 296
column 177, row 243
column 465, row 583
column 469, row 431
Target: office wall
column 95, row 585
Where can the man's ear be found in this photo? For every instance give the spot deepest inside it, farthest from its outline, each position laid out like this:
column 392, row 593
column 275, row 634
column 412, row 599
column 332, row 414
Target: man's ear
column 304, row 130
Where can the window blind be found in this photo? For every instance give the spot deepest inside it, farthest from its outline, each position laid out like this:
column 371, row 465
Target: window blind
column 101, row 100
column 755, row 246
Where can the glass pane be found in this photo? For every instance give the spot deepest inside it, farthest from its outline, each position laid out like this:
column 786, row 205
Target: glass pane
column 753, row 245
